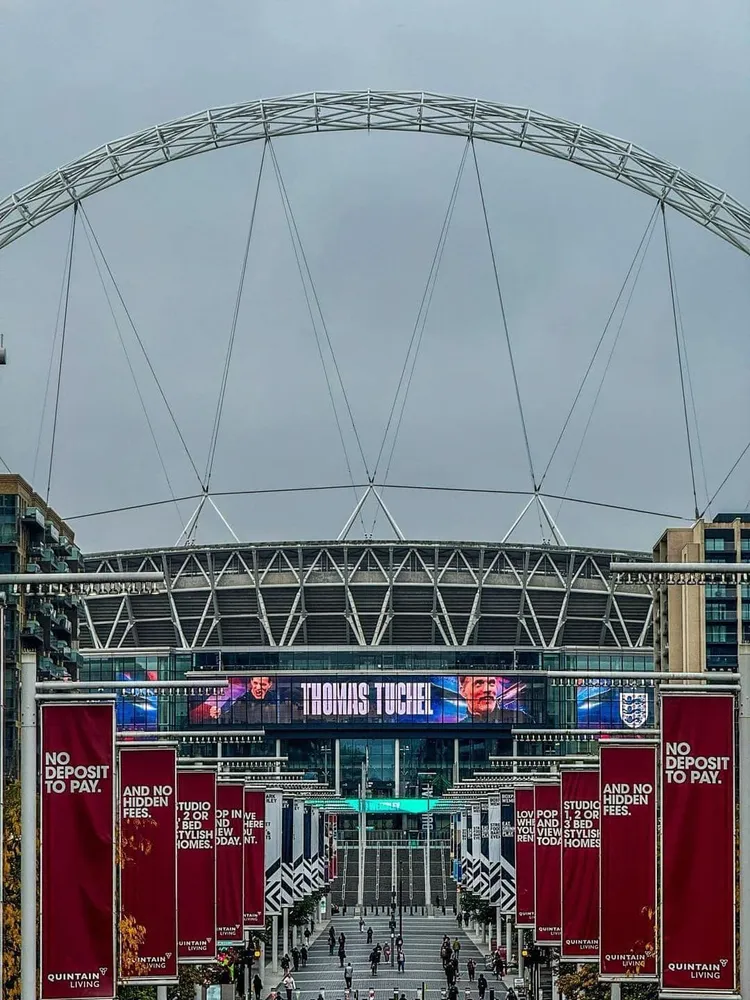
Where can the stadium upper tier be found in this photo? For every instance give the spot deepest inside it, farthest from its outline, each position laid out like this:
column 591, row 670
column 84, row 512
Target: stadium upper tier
column 371, row 594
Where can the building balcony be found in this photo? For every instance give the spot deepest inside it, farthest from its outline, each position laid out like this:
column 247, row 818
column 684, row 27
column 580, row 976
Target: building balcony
column 53, row 535
column 62, row 626
column 32, row 517
column 32, row 631
column 48, row 670
column 33, row 567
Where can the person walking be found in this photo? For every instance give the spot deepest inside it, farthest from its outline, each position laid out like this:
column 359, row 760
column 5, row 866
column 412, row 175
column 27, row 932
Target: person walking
column 369, row 936
column 285, row 963
column 289, row 985
column 361, row 924
column 342, row 954
column 453, row 992
column 386, row 953
column 456, row 947
column 401, row 960
column 257, row 986
column 481, row 985
column 303, row 955
column 348, row 973
column 373, row 962
column 295, row 958
column 331, row 939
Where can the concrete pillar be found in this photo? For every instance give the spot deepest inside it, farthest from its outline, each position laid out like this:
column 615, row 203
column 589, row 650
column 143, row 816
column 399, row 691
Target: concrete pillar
column 285, row 930
column 275, row 944
column 337, row 765
column 616, row 991
column 397, row 767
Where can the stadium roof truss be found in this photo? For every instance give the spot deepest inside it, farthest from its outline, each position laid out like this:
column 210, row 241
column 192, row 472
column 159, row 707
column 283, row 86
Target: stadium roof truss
column 370, row 594
column 318, row 112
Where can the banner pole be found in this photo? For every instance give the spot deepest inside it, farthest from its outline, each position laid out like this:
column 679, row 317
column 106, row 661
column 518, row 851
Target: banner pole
column 28, row 825
column 743, row 751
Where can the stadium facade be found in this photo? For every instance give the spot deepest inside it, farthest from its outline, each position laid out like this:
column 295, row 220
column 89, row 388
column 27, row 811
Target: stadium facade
column 423, row 659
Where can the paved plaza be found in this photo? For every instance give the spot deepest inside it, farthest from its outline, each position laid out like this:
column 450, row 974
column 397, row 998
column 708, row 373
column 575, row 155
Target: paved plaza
column 422, row 939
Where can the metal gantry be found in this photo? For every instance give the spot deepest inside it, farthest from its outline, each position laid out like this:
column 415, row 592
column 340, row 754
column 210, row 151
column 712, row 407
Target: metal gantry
column 371, row 111
column 370, row 594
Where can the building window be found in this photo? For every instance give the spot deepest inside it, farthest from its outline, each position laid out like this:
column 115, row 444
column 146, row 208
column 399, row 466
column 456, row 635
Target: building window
column 716, row 544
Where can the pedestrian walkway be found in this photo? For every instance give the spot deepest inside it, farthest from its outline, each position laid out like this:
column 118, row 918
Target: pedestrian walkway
column 422, row 940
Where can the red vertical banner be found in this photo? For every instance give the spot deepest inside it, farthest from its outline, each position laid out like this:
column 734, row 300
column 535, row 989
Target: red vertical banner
column 255, row 859
column 698, row 843
column 579, row 795
column 77, row 919
column 627, row 916
column 148, row 859
column 547, row 851
column 230, row 864
column 524, row 857
column 196, row 865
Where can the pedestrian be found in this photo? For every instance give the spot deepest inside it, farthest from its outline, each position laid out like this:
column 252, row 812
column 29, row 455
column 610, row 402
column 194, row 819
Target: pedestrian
column 456, row 947
column 371, row 995
column 401, row 960
column 471, row 968
column 307, row 935
column 289, row 985
column 303, row 955
column 467, row 994
column 344, row 908
column 452, row 993
column 295, row 958
column 399, row 942
column 342, row 939
column 331, row 940
column 285, row 963
column 369, row 936
column 497, row 965
column 361, row 924
column 481, row 985
column 511, row 994
column 348, row 973
column 342, row 955
column 322, row 993
column 386, row 953
column 257, row 986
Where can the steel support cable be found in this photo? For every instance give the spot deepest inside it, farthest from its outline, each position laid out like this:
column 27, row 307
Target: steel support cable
column 668, row 248
column 123, row 345
column 64, row 328
column 688, row 373
column 726, row 478
column 424, row 305
column 233, row 329
column 629, row 299
column 51, row 365
column 4, row 463
column 418, row 331
column 316, row 299
column 470, row 490
column 633, row 263
column 504, row 318
column 311, row 312
column 142, row 346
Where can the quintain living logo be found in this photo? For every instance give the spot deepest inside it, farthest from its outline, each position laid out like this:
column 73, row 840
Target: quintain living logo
column 634, row 708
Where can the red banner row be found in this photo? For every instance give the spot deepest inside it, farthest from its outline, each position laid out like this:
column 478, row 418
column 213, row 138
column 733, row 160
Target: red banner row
column 586, row 853
column 191, row 858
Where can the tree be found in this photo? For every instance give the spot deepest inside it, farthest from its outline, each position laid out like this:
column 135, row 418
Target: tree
column 582, row 983
column 11, row 875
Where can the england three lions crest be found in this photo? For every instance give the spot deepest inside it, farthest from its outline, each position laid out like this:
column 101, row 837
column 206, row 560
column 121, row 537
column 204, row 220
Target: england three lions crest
column 634, row 708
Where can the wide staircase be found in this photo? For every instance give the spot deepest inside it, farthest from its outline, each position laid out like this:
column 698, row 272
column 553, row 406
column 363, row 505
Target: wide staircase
column 345, row 887
column 384, row 865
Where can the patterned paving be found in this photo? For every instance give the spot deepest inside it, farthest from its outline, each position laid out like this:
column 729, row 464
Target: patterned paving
column 422, row 940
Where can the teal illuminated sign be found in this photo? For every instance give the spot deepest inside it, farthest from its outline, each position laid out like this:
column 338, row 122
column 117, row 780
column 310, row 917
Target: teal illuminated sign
column 393, row 805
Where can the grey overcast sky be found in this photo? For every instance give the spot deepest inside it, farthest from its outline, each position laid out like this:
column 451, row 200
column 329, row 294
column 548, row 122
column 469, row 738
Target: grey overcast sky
column 670, row 75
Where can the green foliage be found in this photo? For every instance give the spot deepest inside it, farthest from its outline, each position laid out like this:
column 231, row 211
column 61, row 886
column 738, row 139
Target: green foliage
column 476, row 908
column 305, row 910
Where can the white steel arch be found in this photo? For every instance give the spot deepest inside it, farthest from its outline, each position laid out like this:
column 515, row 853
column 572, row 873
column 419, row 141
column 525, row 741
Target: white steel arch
column 524, row 128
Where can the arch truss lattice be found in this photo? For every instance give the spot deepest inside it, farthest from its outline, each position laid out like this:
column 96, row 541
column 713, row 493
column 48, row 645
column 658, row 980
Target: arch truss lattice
column 523, row 128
